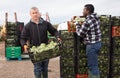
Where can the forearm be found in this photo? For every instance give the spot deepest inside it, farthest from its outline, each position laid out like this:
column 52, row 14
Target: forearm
column 78, row 29
column 57, row 35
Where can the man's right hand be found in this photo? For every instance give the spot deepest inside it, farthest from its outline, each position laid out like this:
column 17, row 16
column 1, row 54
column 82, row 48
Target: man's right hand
column 25, row 48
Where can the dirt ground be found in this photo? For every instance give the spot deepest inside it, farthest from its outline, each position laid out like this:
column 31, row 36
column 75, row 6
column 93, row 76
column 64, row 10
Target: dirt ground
column 24, row 68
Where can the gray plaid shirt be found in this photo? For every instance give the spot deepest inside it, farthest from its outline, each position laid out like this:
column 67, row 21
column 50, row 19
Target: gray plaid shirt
column 90, row 29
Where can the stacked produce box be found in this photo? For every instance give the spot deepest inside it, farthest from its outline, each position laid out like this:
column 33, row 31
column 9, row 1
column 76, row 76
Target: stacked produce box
column 104, row 56
column 82, row 59
column 44, row 51
column 116, row 20
column 11, row 34
column 67, row 55
column 13, row 47
column 13, row 52
column 115, row 55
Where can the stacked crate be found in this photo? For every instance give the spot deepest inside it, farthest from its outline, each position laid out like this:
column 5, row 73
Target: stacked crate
column 104, row 56
column 13, row 52
column 115, row 55
column 82, row 59
column 11, row 42
column 11, row 34
column 116, row 20
column 67, row 55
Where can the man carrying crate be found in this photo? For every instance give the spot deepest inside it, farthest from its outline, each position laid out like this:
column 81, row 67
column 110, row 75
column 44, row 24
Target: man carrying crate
column 36, row 32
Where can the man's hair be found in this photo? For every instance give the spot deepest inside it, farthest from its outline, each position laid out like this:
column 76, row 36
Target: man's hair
column 90, row 8
column 34, row 8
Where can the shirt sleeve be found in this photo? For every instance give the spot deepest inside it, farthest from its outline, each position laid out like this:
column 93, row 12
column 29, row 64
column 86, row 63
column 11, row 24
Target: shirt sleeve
column 82, row 29
column 53, row 30
column 24, row 36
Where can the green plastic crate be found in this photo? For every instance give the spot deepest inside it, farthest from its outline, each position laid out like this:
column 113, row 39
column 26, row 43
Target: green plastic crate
column 13, row 52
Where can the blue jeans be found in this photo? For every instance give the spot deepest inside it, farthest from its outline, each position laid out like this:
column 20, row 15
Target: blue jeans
column 92, row 51
column 41, row 69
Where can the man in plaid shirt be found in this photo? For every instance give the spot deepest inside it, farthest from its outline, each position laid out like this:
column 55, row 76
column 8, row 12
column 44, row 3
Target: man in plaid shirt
column 90, row 31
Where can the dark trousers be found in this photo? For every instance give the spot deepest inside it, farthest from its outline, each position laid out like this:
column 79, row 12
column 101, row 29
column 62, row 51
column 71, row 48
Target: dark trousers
column 41, row 69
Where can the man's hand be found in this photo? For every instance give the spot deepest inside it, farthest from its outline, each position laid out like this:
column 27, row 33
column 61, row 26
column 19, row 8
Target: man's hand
column 59, row 39
column 25, row 48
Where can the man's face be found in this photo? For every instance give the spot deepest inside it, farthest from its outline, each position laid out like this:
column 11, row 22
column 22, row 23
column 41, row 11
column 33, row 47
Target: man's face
column 35, row 14
column 85, row 12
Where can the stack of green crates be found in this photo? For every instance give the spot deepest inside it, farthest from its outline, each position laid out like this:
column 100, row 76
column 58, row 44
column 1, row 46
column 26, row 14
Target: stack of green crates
column 104, row 55
column 13, row 52
column 82, row 59
column 11, row 34
column 67, row 55
column 115, row 55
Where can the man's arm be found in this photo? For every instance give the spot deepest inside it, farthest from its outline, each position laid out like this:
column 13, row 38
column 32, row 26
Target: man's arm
column 24, row 38
column 82, row 29
column 53, row 31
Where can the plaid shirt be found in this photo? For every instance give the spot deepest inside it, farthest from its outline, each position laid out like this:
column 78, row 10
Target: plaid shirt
column 90, row 29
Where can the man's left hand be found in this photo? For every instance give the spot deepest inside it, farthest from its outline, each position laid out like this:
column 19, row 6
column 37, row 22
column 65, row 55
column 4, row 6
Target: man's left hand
column 59, row 39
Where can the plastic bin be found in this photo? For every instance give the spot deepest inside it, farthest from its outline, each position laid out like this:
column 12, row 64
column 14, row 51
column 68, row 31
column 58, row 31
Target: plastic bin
column 13, row 52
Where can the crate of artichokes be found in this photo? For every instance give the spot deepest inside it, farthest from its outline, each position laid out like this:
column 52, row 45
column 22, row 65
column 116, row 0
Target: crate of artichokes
column 44, row 51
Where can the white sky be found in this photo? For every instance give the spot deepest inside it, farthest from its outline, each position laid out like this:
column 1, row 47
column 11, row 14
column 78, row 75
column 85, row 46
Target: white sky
column 59, row 10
